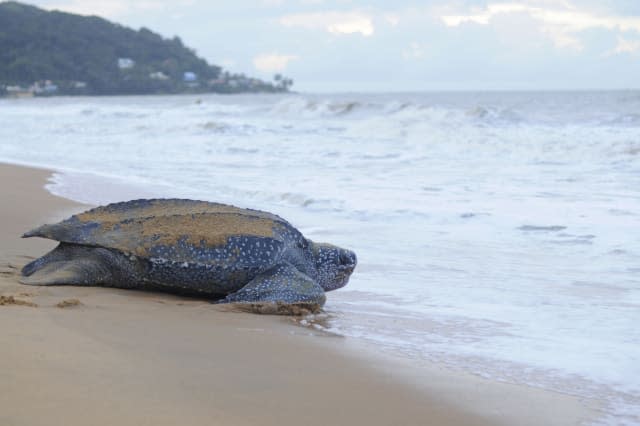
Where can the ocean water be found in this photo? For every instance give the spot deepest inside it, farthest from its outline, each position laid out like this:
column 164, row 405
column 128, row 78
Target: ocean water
column 498, row 233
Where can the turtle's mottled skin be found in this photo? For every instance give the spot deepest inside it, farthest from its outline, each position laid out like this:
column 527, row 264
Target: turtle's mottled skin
column 192, row 247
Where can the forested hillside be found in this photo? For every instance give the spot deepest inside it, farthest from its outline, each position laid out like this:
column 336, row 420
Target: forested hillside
column 86, row 54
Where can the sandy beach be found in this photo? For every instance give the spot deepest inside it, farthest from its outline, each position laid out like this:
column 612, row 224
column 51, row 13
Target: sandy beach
column 95, row 356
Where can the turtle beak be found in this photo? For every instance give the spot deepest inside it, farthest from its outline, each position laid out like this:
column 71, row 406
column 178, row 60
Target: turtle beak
column 348, row 261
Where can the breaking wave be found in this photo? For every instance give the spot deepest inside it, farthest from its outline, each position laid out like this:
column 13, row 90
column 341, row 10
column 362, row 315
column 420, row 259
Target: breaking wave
column 489, row 109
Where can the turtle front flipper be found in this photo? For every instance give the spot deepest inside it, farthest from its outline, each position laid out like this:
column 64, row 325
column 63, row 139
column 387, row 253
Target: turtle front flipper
column 282, row 289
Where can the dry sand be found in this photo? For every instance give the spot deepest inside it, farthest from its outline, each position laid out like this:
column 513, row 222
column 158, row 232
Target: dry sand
column 95, row 356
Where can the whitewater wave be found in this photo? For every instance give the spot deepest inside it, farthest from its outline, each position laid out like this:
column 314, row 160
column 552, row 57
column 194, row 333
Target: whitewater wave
column 471, row 213
column 523, row 110
column 313, row 108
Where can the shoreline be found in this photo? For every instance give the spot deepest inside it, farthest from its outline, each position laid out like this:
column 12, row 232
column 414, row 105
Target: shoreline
column 130, row 357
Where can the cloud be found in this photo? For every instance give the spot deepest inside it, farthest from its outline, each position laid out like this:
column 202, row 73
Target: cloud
column 560, row 21
column 392, row 19
column 414, row 51
column 115, row 8
column 483, row 17
column 568, row 17
column 228, row 62
column 105, row 9
column 626, row 46
column 272, row 62
column 332, row 22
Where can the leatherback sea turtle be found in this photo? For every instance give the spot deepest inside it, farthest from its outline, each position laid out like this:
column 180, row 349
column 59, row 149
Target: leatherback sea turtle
column 192, row 247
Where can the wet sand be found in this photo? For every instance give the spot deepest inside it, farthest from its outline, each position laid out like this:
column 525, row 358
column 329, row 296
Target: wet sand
column 96, row 356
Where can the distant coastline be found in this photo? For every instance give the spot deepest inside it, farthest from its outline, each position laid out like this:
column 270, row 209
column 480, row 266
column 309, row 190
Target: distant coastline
column 49, row 53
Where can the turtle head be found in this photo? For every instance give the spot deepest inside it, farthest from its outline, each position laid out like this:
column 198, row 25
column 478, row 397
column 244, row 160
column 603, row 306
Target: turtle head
column 334, row 265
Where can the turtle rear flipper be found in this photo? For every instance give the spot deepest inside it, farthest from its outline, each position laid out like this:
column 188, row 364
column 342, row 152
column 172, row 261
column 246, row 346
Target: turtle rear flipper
column 69, row 264
column 282, row 289
column 71, row 272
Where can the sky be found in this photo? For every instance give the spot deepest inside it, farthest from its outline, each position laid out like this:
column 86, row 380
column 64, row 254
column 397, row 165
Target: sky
column 400, row 45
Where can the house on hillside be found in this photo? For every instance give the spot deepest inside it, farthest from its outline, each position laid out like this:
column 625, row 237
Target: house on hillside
column 125, row 63
column 44, row 88
column 18, row 92
column 189, row 77
column 158, row 75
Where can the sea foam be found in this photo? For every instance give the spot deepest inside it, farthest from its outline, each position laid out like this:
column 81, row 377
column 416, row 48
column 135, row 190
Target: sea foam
column 496, row 232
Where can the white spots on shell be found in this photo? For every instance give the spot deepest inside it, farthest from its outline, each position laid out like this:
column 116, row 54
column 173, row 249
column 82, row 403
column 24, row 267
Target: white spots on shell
column 290, row 268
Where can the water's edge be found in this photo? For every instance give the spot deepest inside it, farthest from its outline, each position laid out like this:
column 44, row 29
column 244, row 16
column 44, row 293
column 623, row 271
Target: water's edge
column 494, row 231
column 426, row 375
